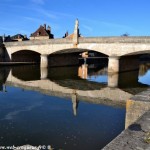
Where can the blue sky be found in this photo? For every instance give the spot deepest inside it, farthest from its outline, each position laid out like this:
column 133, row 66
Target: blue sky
column 96, row 17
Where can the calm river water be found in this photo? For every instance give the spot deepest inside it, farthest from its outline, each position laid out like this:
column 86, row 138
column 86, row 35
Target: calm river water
column 59, row 106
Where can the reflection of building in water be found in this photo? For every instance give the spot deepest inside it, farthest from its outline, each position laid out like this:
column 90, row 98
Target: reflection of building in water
column 113, row 80
column 102, row 71
column 74, row 102
column 44, row 73
column 3, row 76
column 144, row 68
column 3, row 88
column 83, row 71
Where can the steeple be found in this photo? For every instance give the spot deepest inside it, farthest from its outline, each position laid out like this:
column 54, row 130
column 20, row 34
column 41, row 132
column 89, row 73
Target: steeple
column 76, row 32
column 76, row 24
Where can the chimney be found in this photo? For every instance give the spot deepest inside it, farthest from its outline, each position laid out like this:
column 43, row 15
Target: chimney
column 76, row 33
column 45, row 26
column 49, row 28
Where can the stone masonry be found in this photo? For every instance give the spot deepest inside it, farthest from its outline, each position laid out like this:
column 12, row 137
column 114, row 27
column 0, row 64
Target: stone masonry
column 137, row 134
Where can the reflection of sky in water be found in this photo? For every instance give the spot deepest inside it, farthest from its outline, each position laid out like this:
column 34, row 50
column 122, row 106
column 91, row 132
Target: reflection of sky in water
column 145, row 79
column 100, row 78
column 30, row 117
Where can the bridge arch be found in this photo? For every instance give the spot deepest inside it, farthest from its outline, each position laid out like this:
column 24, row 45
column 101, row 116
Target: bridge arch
column 27, row 56
column 76, row 50
column 137, row 52
column 72, row 56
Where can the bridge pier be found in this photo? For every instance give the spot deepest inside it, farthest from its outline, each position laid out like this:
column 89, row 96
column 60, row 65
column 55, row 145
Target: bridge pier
column 113, row 64
column 44, row 61
column 113, row 80
column 44, row 72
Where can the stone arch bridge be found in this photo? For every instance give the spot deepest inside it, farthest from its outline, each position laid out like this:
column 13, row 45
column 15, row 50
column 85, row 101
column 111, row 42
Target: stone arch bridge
column 113, row 47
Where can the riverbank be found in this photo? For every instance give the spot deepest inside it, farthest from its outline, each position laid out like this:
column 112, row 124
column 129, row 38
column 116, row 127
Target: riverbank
column 137, row 135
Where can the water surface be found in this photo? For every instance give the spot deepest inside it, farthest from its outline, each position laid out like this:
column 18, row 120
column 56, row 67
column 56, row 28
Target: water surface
column 43, row 116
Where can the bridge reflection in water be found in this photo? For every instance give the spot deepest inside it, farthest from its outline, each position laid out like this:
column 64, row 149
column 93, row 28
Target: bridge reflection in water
column 75, row 83
column 70, row 82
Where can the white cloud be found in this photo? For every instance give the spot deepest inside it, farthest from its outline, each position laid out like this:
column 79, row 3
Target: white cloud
column 87, row 28
column 33, row 19
column 46, row 13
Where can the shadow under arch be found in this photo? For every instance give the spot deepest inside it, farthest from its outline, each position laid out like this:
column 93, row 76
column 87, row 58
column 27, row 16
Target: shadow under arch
column 28, row 56
column 132, row 61
column 74, row 56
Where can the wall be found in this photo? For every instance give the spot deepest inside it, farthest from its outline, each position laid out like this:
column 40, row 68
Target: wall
column 39, row 38
column 137, row 106
column 134, row 110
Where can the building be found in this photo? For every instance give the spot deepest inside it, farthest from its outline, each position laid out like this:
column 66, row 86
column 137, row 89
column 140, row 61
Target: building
column 6, row 38
column 42, row 33
column 19, row 37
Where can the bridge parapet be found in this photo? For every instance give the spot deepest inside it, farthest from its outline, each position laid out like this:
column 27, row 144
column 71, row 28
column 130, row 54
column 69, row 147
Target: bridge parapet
column 136, row 39
column 131, row 39
column 39, row 42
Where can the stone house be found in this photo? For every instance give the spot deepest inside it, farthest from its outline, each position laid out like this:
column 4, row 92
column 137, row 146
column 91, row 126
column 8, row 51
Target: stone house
column 19, row 37
column 42, row 33
column 5, row 38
